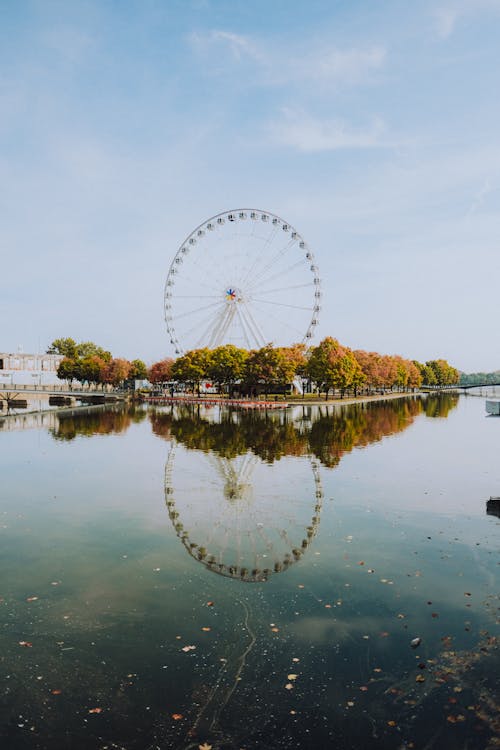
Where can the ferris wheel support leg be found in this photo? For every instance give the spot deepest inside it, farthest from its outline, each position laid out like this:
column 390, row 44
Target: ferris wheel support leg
column 219, row 328
column 257, row 333
column 244, row 326
column 205, row 333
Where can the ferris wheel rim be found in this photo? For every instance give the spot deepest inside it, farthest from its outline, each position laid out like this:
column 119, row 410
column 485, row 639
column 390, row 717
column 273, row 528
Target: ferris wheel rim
column 235, row 215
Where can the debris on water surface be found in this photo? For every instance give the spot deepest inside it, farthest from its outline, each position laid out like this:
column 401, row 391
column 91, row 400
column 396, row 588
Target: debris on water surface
column 415, row 643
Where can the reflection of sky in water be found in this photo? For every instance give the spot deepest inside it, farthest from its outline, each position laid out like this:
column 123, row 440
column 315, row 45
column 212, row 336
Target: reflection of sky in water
column 404, row 549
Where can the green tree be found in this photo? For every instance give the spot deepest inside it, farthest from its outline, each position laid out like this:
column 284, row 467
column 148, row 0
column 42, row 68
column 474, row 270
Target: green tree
column 192, row 367
column 66, row 347
column 138, row 370
column 68, row 369
column 227, row 365
column 88, row 349
column 263, row 367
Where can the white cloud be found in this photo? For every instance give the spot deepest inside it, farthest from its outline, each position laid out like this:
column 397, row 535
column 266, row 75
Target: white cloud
column 305, row 133
column 274, row 64
column 215, row 41
column 448, row 16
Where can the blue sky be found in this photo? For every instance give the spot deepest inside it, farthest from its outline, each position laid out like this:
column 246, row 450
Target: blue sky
column 372, row 127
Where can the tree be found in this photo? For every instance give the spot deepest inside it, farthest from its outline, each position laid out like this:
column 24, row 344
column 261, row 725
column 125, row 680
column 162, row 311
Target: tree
column 66, row 347
column 193, row 367
column 68, row 369
column 116, row 371
column 160, row 372
column 263, row 367
column 331, row 365
column 292, row 363
column 444, row 373
column 138, row 370
column 88, row 349
column 91, row 369
column 227, row 365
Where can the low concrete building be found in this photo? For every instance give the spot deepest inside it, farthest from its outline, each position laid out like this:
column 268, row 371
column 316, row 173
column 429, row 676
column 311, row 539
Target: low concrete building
column 29, row 369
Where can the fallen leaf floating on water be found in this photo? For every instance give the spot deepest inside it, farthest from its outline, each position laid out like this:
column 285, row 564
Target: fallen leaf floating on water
column 56, row 692
column 177, row 717
column 415, row 643
column 205, row 746
column 205, row 630
column 210, row 604
column 275, row 630
column 26, row 644
column 188, row 648
column 291, row 677
column 420, row 678
column 391, row 723
column 288, row 686
column 32, row 598
column 95, row 710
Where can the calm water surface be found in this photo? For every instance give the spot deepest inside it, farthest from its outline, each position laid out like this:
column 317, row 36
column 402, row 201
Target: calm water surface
column 179, row 578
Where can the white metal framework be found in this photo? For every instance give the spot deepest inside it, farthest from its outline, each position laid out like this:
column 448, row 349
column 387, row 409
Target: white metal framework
column 244, row 277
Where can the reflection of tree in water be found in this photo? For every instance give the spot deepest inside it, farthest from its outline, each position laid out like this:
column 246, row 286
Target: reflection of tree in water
column 108, row 421
column 326, row 434
column 440, row 405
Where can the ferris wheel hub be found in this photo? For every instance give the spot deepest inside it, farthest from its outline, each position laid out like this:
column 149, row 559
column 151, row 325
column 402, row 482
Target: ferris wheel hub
column 233, row 295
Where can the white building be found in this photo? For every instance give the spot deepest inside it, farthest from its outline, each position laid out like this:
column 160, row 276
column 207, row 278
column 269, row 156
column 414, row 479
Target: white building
column 29, row 369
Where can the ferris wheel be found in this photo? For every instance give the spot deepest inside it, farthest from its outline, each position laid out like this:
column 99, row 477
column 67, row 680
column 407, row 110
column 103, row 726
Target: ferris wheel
column 244, row 277
column 237, row 516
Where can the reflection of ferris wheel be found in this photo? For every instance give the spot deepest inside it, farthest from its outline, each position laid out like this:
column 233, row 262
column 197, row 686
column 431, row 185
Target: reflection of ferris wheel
column 244, row 277
column 242, row 517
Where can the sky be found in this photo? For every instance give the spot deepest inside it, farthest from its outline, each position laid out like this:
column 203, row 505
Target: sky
column 372, row 127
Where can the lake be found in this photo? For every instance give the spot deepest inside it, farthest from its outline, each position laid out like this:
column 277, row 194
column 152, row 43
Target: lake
column 316, row 577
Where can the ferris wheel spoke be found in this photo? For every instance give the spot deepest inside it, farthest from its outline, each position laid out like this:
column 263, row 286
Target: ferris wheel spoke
column 212, row 324
column 279, row 304
column 260, row 256
column 197, row 310
column 286, row 288
column 277, row 275
column 196, row 327
column 286, row 324
column 221, row 326
column 272, row 262
column 198, row 296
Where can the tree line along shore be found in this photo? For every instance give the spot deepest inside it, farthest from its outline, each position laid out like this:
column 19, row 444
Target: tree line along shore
column 327, row 368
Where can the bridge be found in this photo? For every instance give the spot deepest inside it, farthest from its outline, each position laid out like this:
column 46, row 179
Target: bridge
column 478, row 385
column 13, row 391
